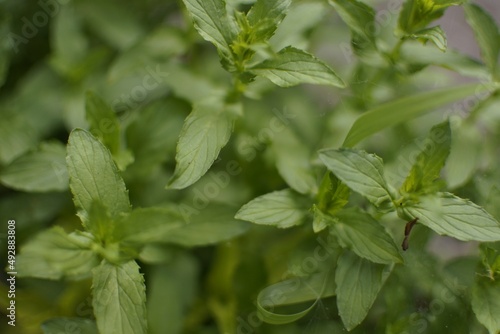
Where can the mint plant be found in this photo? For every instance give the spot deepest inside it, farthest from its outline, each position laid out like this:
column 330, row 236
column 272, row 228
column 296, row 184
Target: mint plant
column 316, row 167
column 113, row 237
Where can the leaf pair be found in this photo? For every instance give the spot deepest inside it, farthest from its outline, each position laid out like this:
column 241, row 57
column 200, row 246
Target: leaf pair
column 114, row 233
column 418, row 198
column 236, row 39
column 208, row 128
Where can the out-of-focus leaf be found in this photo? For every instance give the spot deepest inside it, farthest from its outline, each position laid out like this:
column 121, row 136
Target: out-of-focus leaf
column 419, row 54
column 463, row 160
column 69, row 325
column 358, row 284
column 115, row 23
column 41, row 170
column 294, row 291
column 357, row 15
column 153, row 135
column 487, row 34
column 16, row 137
column 32, row 209
column 157, row 47
column 406, row 108
column 208, row 226
column 104, row 124
column 301, row 17
column 292, row 66
column 486, row 302
column 293, row 162
column 119, row 298
column 4, row 45
column 68, row 41
column 361, row 19
column 53, row 254
column 176, row 281
column 188, row 85
column 282, row 209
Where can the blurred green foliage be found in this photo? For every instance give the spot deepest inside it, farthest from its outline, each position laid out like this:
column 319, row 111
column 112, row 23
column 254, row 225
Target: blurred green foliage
column 202, row 167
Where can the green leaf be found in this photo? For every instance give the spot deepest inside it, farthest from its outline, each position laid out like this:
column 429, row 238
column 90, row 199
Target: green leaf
column 264, row 9
column 361, row 21
column 153, row 136
column 421, row 55
column 119, row 298
column 33, row 209
column 156, row 48
column 449, row 215
column 176, row 281
column 148, row 225
column 94, row 176
column 435, row 34
column 464, row 154
column 490, row 258
column 71, row 325
column 333, row 195
column 213, row 23
column 213, row 224
column 68, row 42
column 294, row 291
column 292, row 66
column 360, row 171
column 100, row 223
column 358, row 284
column 486, row 302
column 265, row 16
column 40, row 170
column 282, row 209
column 117, row 25
column 293, row 162
column 301, row 18
column 406, row 108
column 430, row 161
column 362, row 234
column 104, row 125
column 486, row 32
column 5, row 30
column 53, row 254
column 417, row 14
column 358, row 16
column 17, row 136
column 205, row 132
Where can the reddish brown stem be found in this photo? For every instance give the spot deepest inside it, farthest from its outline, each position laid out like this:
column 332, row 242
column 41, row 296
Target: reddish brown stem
column 408, row 229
